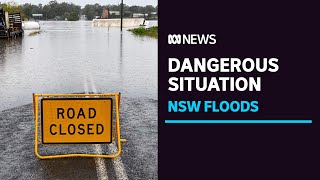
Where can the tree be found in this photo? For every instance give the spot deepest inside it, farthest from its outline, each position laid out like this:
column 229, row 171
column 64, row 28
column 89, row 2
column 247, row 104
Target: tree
column 11, row 7
column 66, row 15
column 149, row 9
column 74, row 16
column 134, row 9
column 55, row 10
column 89, row 11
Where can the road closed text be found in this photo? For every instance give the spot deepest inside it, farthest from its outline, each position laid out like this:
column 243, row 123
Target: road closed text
column 70, row 128
column 77, row 120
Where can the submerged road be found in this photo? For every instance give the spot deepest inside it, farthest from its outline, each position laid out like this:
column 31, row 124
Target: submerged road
column 24, row 68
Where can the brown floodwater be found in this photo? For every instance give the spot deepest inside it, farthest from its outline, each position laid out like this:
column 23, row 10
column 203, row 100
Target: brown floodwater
column 74, row 57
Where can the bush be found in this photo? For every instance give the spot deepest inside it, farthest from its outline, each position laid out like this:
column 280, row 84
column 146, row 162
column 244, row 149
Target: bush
column 73, row 16
column 141, row 31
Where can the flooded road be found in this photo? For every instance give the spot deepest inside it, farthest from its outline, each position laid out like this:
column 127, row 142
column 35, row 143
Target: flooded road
column 65, row 54
column 74, row 57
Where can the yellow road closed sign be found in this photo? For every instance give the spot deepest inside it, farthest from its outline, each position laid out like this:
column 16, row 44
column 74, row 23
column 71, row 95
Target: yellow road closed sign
column 76, row 120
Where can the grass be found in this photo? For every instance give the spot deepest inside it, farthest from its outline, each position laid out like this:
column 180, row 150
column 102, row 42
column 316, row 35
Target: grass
column 141, row 31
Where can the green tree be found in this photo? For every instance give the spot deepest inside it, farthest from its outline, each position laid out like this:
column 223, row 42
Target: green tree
column 66, row 15
column 149, row 9
column 55, row 10
column 89, row 11
column 11, row 7
column 74, row 16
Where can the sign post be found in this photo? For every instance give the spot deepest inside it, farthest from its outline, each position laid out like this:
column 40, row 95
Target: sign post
column 77, row 119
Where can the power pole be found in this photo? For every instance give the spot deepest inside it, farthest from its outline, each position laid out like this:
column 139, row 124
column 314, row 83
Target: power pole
column 121, row 13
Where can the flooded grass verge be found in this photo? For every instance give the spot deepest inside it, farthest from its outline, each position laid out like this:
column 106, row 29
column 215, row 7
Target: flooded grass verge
column 141, row 31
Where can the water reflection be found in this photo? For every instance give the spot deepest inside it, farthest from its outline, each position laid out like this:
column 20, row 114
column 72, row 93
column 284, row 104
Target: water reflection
column 121, row 54
column 68, row 57
column 8, row 47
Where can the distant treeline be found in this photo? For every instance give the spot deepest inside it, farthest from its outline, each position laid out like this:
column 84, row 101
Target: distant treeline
column 60, row 11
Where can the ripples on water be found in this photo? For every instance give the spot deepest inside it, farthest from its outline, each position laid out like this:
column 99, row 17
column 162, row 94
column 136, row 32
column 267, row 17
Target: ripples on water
column 66, row 57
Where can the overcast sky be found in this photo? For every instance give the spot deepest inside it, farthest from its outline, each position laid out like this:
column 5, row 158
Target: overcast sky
column 84, row 2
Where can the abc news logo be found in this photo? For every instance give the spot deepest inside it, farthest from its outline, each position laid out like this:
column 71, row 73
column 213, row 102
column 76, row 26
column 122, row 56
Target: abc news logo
column 192, row 39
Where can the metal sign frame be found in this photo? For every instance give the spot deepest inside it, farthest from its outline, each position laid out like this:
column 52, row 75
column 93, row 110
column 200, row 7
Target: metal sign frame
column 79, row 99
column 115, row 137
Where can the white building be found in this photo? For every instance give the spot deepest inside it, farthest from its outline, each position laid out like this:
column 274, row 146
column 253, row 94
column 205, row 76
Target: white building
column 139, row 15
column 117, row 13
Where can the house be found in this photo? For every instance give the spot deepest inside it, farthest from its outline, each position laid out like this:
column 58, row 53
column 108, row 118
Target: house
column 37, row 16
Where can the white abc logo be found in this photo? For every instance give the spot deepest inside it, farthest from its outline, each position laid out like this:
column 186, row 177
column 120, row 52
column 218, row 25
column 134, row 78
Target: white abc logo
column 174, row 39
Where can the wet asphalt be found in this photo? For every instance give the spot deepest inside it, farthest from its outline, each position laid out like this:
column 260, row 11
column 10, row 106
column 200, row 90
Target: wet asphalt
column 139, row 156
column 74, row 57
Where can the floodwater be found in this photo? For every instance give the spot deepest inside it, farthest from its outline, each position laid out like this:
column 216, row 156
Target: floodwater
column 68, row 57
column 74, row 57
